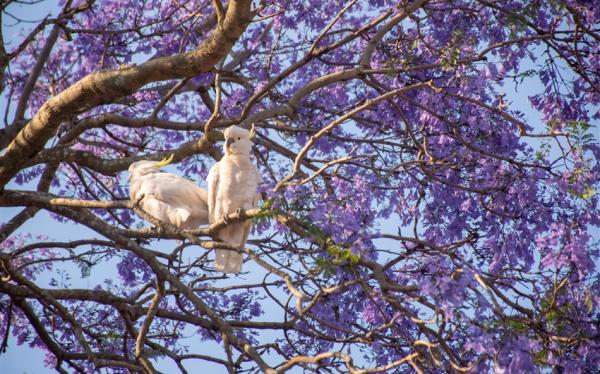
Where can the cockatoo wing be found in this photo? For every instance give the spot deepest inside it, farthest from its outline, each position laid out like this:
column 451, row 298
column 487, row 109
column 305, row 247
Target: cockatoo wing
column 164, row 212
column 177, row 193
column 170, row 188
column 253, row 196
column 254, row 204
column 226, row 261
column 213, row 188
column 199, row 212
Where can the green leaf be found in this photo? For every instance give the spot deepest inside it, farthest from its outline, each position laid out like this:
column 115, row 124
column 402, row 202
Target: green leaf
column 111, row 335
column 517, row 326
column 342, row 255
column 541, row 357
column 545, row 304
column 326, row 266
column 588, row 193
column 552, row 315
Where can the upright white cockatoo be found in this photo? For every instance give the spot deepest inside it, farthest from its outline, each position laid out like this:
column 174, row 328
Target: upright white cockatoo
column 232, row 186
column 167, row 197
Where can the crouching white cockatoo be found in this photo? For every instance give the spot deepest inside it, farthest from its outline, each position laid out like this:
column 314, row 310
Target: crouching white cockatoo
column 167, row 197
column 232, row 186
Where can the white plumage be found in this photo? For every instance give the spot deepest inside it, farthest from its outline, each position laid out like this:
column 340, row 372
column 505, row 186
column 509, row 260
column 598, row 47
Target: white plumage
column 232, row 185
column 167, row 197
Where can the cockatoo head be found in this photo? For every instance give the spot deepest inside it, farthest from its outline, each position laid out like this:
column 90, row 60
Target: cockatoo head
column 144, row 167
column 237, row 141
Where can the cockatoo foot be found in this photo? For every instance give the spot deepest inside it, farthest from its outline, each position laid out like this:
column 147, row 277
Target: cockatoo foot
column 159, row 230
column 239, row 213
column 225, row 218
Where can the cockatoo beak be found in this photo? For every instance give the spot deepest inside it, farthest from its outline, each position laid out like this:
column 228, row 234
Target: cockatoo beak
column 165, row 161
column 229, row 142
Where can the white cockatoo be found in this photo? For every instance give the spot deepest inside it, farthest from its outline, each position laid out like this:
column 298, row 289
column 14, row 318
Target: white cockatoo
column 167, row 197
column 232, row 186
